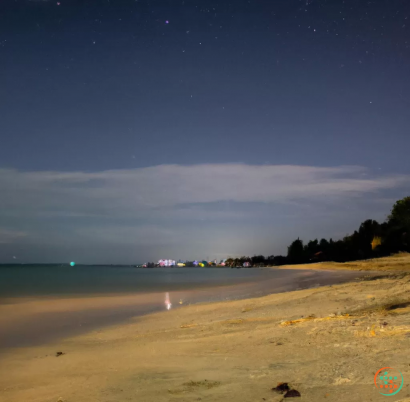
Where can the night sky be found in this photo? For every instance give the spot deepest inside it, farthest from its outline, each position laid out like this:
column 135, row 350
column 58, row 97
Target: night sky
column 134, row 130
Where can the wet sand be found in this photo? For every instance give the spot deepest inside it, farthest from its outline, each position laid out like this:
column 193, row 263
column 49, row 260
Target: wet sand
column 327, row 342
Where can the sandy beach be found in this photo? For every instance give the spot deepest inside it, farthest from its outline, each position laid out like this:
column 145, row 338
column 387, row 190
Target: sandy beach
column 327, row 343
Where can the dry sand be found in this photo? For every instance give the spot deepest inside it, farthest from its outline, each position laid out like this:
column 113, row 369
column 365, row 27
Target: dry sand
column 397, row 263
column 326, row 342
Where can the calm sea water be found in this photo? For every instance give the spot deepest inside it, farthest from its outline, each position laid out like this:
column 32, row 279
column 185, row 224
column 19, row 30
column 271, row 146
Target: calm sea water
column 57, row 280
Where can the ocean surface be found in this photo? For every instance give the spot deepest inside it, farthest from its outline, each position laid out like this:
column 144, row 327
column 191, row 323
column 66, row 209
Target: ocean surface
column 72, row 300
column 57, row 280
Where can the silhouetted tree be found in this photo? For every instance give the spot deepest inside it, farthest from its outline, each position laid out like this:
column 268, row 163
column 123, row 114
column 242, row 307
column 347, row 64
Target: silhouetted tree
column 280, row 260
column 258, row 260
column 397, row 230
column 269, row 260
column 368, row 230
column 311, row 249
column 400, row 213
column 296, row 253
column 323, row 245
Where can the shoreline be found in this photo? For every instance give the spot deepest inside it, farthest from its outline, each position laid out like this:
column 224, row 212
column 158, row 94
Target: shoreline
column 327, row 342
column 30, row 321
column 232, row 350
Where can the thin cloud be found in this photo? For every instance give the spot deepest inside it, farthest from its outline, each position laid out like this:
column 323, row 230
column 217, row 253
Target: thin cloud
column 114, row 193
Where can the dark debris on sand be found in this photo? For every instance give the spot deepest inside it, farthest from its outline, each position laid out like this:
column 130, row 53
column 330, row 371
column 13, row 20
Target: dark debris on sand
column 283, row 387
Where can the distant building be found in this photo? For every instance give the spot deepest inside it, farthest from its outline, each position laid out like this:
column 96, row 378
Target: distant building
column 166, row 263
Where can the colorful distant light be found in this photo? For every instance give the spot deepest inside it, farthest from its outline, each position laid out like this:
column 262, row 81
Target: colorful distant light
column 72, row 263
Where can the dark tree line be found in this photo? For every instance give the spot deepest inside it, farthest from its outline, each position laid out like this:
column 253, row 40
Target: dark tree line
column 256, row 261
column 371, row 240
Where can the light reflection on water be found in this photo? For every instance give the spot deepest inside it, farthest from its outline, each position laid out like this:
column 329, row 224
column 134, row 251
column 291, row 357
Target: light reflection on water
column 167, row 301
